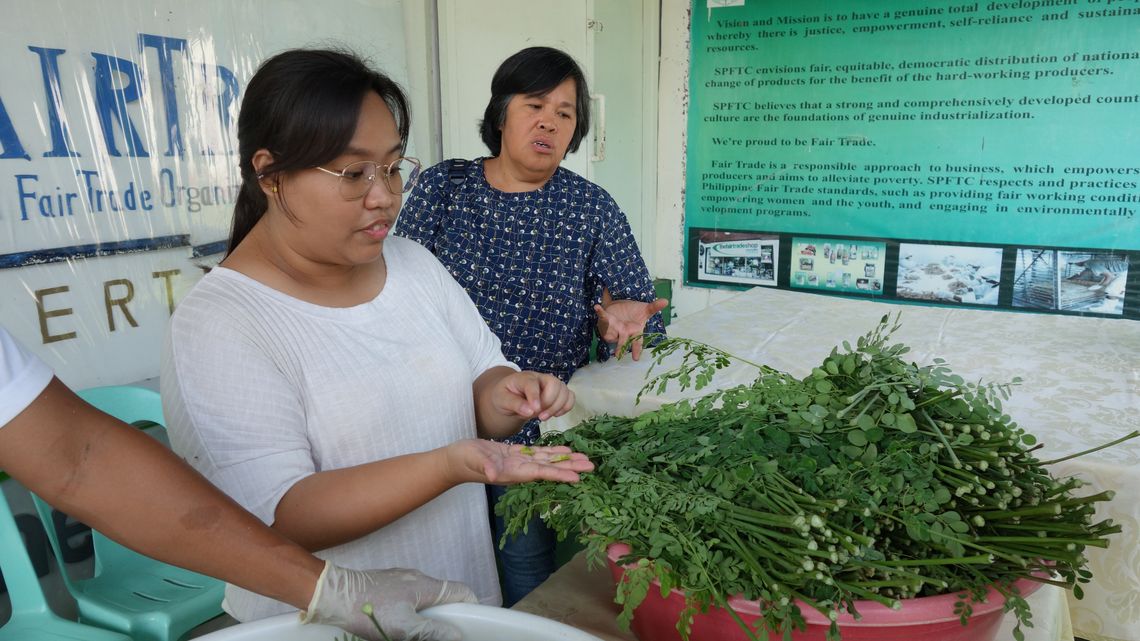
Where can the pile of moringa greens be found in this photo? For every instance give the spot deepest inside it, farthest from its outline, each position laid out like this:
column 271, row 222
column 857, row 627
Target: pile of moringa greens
column 872, row 478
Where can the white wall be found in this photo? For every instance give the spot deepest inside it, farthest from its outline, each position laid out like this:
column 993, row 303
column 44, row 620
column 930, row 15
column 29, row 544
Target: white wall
column 423, row 79
column 475, row 36
column 668, row 261
column 616, row 44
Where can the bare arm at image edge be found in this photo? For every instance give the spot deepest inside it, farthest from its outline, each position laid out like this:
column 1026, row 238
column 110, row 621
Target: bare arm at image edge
column 130, row 487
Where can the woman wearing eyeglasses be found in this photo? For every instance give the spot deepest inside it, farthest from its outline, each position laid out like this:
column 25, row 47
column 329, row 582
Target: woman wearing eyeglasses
column 330, row 378
column 547, row 256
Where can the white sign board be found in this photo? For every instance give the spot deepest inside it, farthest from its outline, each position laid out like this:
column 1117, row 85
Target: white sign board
column 118, row 158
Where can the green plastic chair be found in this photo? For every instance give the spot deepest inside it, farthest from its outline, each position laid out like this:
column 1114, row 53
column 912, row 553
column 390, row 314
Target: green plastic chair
column 129, row 592
column 32, row 618
column 138, row 406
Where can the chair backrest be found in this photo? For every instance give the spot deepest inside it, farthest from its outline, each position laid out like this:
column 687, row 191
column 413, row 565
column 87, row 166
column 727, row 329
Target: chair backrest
column 131, row 404
column 138, row 406
column 127, row 403
column 44, row 512
column 130, row 592
column 19, row 575
column 32, row 618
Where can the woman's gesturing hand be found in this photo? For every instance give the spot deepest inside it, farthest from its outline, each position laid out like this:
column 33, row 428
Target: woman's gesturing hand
column 483, row 461
column 621, row 320
column 531, row 395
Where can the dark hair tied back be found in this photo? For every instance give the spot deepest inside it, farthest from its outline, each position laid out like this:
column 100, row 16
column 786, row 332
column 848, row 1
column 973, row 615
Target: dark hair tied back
column 303, row 105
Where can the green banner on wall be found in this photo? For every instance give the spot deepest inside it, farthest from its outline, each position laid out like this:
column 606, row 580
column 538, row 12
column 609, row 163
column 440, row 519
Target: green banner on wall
column 990, row 148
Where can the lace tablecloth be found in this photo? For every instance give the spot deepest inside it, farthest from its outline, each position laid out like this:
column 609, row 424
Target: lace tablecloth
column 1081, row 388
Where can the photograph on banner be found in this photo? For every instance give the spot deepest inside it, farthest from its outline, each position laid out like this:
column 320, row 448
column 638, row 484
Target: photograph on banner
column 845, row 265
column 740, row 258
column 1004, row 124
column 1070, row 281
column 949, row 273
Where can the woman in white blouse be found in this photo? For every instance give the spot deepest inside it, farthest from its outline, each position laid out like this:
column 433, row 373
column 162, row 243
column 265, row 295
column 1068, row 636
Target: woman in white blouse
column 337, row 382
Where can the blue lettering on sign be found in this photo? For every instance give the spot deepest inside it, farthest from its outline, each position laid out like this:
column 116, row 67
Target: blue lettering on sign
column 49, row 69
column 93, row 197
column 111, row 103
column 163, row 46
column 10, row 146
column 118, row 86
column 228, row 95
column 96, row 195
column 27, row 195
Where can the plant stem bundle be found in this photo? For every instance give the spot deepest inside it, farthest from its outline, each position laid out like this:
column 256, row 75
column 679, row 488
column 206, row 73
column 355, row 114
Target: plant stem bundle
column 871, row 478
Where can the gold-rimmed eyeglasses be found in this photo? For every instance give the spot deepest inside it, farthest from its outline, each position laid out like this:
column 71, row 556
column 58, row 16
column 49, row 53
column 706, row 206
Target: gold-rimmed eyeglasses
column 357, row 178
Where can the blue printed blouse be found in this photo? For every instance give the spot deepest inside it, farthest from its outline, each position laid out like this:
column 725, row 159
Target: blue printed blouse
column 535, row 263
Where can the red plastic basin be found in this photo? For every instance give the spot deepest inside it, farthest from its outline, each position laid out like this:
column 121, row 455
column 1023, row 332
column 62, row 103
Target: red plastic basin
column 928, row 618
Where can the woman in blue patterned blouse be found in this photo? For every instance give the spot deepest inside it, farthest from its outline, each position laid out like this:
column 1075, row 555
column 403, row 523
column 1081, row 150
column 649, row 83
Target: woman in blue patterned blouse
column 547, row 256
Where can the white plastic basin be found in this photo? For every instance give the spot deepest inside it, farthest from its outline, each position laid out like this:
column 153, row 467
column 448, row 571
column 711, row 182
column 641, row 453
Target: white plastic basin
column 476, row 622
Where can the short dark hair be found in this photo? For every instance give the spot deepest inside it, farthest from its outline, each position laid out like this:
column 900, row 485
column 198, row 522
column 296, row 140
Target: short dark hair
column 534, row 71
column 303, row 105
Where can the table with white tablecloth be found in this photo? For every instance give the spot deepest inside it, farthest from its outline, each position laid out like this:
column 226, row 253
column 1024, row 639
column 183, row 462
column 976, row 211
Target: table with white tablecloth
column 1080, row 388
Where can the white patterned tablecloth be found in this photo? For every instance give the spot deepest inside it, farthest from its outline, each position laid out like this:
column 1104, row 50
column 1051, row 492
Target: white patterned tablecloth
column 1081, row 387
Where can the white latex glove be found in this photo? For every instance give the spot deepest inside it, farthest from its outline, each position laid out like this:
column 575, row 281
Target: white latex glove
column 395, row 595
